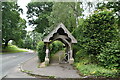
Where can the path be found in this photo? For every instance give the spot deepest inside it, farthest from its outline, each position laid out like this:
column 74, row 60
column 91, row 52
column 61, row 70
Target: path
column 54, row 69
column 57, row 58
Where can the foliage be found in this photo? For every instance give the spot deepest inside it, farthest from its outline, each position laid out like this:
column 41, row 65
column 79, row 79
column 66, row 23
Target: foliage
column 56, row 46
column 76, row 48
column 110, row 55
column 78, row 34
column 98, row 42
column 81, row 56
column 66, row 13
column 87, row 66
column 100, row 29
column 95, row 70
column 37, row 15
column 36, row 37
column 101, row 23
column 114, row 6
column 27, row 42
column 41, row 51
column 31, row 40
column 12, row 25
column 45, row 15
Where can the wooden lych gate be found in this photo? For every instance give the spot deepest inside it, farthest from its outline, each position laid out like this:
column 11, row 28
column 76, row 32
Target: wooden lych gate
column 62, row 34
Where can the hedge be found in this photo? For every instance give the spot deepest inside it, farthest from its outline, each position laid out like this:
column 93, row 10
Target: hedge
column 41, row 51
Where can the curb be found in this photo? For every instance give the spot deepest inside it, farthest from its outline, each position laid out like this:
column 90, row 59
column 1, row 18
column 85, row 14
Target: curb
column 3, row 77
column 33, row 74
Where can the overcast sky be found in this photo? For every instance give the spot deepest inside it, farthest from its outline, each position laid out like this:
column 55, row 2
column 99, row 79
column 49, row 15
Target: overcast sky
column 23, row 4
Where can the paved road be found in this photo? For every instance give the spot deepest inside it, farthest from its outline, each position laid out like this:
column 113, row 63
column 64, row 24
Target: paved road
column 11, row 61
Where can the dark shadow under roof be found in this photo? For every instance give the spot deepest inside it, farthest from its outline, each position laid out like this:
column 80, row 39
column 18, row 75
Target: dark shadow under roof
column 60, row 28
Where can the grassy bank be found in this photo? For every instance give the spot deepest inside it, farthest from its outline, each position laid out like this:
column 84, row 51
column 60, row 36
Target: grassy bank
column 12, row 49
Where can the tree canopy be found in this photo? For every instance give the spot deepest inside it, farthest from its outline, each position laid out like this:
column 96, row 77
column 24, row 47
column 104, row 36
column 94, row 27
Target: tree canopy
column 67, row 13
column 114, row 6
column 12, row 24
column 38, row 13
column 46, row 15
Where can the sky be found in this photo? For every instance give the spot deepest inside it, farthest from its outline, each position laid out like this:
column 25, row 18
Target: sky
column 23, row 4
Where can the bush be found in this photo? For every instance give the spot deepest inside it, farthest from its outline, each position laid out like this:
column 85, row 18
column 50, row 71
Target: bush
column 80, row 55
column 95, row 70
column 56, row 46
column 100, row 28
column 110, row 55
column 41, row 51
column 95, row 42
column 83, row 57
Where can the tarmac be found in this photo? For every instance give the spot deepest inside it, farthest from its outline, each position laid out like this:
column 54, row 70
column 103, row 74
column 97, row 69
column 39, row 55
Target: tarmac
column 55, row 69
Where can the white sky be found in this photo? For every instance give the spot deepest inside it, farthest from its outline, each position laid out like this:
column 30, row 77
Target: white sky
column 23, row 4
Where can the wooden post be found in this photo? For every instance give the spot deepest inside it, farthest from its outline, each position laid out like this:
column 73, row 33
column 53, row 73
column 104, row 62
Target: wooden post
column 67, row 52
column 71, row 60
column 47, row 54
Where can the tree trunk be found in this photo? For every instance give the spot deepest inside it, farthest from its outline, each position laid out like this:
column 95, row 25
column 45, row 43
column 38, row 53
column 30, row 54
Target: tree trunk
column 6, row 44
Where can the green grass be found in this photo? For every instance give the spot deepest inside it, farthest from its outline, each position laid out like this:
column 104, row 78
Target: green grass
column 12, row 49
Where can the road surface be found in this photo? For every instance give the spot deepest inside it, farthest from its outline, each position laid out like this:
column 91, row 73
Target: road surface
column 12, row 60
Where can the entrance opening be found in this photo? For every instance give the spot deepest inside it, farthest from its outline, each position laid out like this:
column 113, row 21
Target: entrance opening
column 62, row 34
column 58, row 52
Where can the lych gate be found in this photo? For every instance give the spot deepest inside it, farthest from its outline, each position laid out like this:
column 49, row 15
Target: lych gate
column 62, row 34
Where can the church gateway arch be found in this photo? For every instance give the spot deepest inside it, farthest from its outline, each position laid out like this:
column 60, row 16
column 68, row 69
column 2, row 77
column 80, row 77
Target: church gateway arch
column 62, row 34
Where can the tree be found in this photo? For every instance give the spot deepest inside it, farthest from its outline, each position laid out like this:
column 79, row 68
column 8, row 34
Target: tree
column 38, row 13
column 67, row 13
column 98, row 37
column 30, row 40
column 109, row 55
column 96, row 31
column 36, row 37
column 12, row 25
column 114, row 6
column 100, row 28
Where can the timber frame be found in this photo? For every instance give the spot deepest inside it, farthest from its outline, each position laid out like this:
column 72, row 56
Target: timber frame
column 62, row 34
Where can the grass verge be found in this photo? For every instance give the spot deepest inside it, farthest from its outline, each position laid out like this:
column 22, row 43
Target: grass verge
column 12, row 49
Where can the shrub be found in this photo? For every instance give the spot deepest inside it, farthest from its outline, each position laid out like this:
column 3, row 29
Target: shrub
column 83, row 57
column 95, row 40
column 56, row 46
column 110, row 55
column 100, row 28
column 80, row 55
column 41, row 51
column 95, row 70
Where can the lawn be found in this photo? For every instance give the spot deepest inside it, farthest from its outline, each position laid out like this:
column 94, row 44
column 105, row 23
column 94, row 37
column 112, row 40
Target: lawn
column 12, row 49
